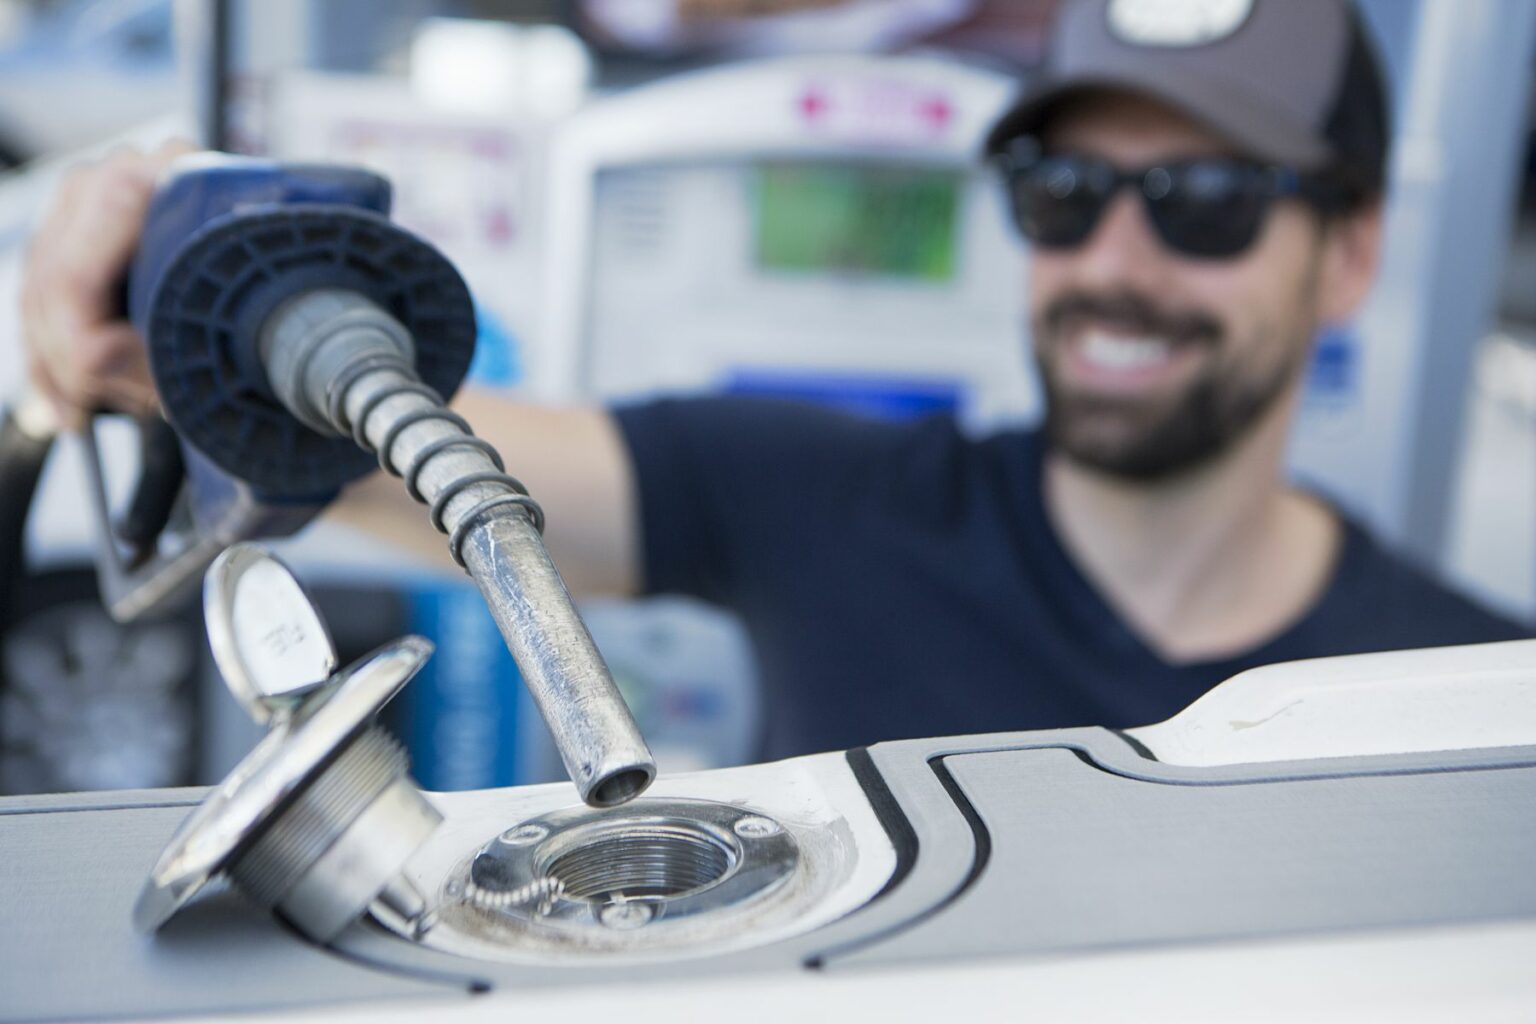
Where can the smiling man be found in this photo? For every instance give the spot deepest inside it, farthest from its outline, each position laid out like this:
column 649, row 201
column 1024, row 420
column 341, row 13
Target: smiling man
column 1201, row 181
column 1203, row 184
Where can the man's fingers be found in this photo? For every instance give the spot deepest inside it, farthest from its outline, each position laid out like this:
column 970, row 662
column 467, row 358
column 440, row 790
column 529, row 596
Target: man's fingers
column 109, row 350
column 82, row 353
column 170, row 150
column 128, row 397
column 66, row 414
column 114, row 208
column 113, row 368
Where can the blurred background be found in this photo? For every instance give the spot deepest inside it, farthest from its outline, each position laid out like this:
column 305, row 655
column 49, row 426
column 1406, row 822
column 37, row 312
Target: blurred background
column 764, row 196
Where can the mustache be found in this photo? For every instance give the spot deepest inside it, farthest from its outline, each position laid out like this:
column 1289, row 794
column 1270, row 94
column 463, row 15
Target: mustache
column 1132, row 313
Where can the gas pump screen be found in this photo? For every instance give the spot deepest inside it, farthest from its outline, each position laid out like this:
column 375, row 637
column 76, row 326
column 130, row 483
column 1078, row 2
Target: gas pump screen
column 848, row 218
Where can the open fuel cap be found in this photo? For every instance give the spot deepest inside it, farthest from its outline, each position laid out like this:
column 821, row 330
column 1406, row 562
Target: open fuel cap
column 268, row 639
column 318, row 820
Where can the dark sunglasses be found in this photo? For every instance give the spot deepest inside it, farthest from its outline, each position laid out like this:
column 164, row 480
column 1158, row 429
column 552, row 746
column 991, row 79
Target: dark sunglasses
column 1208, row 208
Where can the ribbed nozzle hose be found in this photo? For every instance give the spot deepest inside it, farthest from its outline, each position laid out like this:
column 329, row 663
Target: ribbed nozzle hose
column 342, row 365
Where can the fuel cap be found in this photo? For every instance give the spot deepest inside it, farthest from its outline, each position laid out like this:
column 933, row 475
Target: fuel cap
column 319, row 818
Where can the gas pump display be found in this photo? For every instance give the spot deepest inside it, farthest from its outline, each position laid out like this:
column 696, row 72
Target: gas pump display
column 842, row 238
column 705, row 273
column 893, row 222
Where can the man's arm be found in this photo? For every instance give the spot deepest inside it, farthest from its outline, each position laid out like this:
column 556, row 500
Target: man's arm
column 83, row 355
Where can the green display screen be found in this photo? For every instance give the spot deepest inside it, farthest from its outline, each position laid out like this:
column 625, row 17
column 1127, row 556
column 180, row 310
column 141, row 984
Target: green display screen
column 897, row 222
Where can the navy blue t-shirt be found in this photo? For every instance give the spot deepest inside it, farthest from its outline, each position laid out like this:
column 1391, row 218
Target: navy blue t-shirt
column 902, row 580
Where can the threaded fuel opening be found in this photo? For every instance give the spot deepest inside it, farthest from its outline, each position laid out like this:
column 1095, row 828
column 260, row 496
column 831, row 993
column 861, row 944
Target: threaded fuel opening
column 642, row 860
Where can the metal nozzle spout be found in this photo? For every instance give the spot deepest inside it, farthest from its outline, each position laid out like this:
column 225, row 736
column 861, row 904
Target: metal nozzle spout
column 596, row 735
column 338, row 357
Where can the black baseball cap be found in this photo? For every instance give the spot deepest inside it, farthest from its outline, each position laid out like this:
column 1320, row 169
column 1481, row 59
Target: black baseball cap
column 1294, row 82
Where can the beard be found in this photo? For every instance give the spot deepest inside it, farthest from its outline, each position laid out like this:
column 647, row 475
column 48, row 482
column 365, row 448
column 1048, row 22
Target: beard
column 1145, row 440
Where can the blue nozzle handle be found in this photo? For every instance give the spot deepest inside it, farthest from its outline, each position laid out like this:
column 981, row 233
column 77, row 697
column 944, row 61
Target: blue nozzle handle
column 229, row 241
column 204, row 187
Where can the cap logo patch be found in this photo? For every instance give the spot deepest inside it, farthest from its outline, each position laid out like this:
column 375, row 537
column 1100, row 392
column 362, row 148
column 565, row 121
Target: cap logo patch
column 1176, row 22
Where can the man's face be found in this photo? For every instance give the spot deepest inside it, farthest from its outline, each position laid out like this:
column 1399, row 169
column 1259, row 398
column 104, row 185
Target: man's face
column 1153, row 361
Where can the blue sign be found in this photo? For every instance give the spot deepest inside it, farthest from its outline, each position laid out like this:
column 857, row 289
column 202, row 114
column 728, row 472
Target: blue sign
column 462, row 713
column 886, row 398
column 1333, row 378
column 496, row 362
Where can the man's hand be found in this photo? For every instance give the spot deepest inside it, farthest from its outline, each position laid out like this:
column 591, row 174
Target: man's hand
column 82, row 355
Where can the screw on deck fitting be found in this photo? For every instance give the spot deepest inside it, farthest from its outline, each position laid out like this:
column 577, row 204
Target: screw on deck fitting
column 317, row 822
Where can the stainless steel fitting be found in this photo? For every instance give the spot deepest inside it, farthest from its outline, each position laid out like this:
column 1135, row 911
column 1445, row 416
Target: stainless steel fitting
column 317, row 822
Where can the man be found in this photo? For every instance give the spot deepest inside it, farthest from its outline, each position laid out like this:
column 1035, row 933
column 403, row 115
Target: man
column 1201, row 198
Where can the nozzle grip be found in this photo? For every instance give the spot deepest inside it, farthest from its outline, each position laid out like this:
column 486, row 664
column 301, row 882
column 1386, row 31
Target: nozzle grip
column 176, row 527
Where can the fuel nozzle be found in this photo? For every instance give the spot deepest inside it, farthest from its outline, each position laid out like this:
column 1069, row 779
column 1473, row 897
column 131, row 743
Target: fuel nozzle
column 296, row 336
column 342, row 365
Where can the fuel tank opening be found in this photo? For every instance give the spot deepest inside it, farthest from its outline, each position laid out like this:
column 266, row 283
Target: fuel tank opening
column 660, row 860
column 586, row 878
column 715, row 863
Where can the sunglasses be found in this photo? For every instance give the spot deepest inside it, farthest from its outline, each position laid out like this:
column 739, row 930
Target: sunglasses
column 1208, row 208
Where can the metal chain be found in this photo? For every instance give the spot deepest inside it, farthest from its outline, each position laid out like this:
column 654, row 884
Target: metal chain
column 544, row 891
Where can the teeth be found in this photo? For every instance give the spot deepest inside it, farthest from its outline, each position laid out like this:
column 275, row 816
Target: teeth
column 1116, row 352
